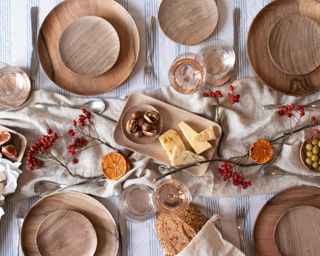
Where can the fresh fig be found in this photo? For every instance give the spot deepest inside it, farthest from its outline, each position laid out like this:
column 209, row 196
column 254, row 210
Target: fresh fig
column 4, row 137
column 9, row 151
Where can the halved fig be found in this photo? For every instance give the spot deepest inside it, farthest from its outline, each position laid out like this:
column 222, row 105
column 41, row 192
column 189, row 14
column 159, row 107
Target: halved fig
column 4, row 137
column 9, row 151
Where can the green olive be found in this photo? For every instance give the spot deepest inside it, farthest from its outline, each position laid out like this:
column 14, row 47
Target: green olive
column 315, row 150
column 315, row 164
column 308, row 161
column 309, row 154
column 319, row 143
column 315, row 158
column 309, row 146
column 315, row 141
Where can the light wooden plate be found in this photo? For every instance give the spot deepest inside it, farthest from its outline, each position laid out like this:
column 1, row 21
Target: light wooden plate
column 89, row 46
column 294, row 44
column 171, row 117
column 258, row 53
column 66, row 233
column 95, row 212
column 274, row 210
column 188, row 21
column 298, row 231
column 66, row 13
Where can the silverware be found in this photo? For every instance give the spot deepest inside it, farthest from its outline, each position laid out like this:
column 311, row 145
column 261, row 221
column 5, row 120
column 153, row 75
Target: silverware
column 148, row 68
column 315, row 105
column 236, row 35
column 34, row 59
column 20, row 219
column 275, row 171
column 241, row 216
column 45, row 187
column 96, row 106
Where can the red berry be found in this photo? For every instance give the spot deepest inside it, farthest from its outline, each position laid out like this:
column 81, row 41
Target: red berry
column 205, row 94
column 75, row 161
column 231, row 88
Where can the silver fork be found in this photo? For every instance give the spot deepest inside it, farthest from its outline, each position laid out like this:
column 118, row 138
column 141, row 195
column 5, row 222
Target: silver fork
column 148, row 68
column 20, row 219
column 34, row 59
column 241, row 216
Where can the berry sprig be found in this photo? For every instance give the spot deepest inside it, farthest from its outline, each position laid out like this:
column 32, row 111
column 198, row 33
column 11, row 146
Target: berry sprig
column 226, row 170
column 291, row 111
column 313, row 132
column 231, row 98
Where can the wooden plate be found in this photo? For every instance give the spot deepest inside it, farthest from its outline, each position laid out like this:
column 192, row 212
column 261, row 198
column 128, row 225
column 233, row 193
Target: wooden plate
column 294, row 43
column 171, row 117
column 188, row 21
column 258, row 53
column 66, row 13
column 89, row 46
column 95, row 212
column 128, row 115
column 274, row 210
column 66, row 233
column 298, row 231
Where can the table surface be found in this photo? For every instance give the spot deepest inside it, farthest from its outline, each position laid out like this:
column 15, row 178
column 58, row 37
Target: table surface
column 138, row 238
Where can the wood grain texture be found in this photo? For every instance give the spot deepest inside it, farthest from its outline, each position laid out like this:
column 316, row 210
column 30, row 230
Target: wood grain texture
column 171, row 117
column 66, row 233
column 298, row 231
column 62, row 16
column 257, row 47
column 89, row 46
column 274, row 209
column 95, row 212
column 294, row 44
column 187, row 21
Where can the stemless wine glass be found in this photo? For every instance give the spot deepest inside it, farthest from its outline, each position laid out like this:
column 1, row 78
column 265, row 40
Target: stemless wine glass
column 187, row 73
column 219, row 59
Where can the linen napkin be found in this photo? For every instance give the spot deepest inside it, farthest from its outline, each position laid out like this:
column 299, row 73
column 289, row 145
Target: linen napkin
column 210, row 242
column 242, row 124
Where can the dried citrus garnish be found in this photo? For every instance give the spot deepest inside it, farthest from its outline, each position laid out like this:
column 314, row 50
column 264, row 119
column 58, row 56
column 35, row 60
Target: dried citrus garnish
column 261, row 151
column 114, row 165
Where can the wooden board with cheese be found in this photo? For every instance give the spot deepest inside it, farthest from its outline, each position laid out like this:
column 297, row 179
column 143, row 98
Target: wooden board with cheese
column 194, row 137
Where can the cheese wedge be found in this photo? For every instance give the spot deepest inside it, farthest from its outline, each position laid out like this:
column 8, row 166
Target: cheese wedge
column 184, row 157
column 205, row 135
column 169, row 140
column 189, row 133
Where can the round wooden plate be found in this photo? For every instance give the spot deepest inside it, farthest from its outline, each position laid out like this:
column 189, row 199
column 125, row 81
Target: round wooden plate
column 66, row 13
column 298, row 231
column 95, row 212
column 66, row 233
column 258, row 53
column 188, row 21
column 89, row 46
column 294, row 45
column 274, row 210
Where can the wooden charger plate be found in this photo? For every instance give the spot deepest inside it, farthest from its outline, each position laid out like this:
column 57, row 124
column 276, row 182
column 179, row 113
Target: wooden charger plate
column 275, row 210
column 66, row 13
column 171, row 117
column 95, row 212
column 188, row 21
column 258, row 49
column 66, row 233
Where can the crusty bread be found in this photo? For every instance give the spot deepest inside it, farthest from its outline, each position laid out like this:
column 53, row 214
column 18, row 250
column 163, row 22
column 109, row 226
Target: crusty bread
column 193, row 217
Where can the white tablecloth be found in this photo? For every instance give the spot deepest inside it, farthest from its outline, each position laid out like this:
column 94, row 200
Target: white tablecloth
column 138, row 238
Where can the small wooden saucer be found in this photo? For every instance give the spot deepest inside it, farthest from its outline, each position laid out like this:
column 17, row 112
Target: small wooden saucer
column 66, row 233
column 89, row 46
column 294, row 43
column 298, row 231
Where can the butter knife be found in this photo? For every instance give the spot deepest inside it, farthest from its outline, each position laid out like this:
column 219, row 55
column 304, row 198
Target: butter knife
column 315, row 105
column 34, row 59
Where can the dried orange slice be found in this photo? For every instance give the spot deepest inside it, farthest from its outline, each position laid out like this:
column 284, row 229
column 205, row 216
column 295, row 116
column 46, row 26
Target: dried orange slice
column 261, row 151
column 114, row 165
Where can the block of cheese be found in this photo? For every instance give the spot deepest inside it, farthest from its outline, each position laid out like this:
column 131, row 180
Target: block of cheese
column 205, row 135
column 169, row 140
column 184, row 157
column 189, row 133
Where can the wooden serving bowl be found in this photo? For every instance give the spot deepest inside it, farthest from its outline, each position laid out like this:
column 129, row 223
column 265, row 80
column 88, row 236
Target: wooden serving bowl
column 303, row 156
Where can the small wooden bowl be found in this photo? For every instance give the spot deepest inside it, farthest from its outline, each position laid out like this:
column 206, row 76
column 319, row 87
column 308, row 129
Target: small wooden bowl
column 303, row 156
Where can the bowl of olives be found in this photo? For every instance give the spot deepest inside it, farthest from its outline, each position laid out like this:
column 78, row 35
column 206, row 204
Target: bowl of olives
column 141, row 124
column 310, row 154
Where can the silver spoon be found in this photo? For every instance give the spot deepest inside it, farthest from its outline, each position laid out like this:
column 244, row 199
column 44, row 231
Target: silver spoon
column 275, row 171
column 315, row 105
column 45, row 187
column 97, row 106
